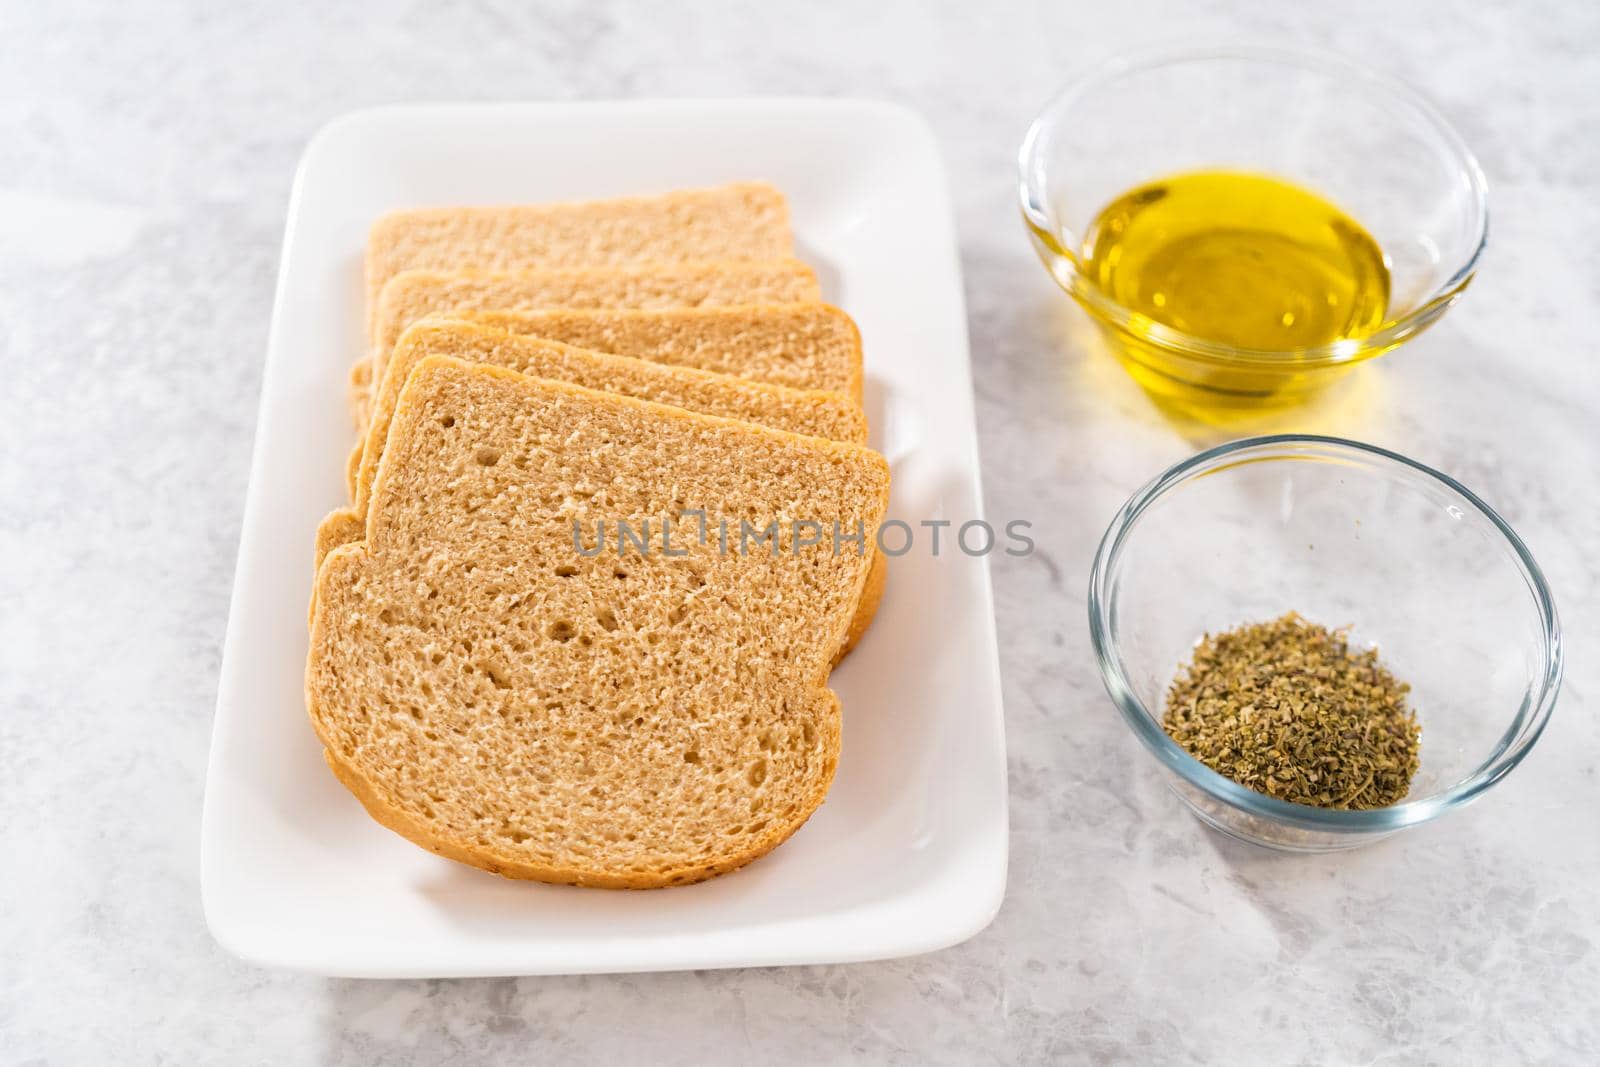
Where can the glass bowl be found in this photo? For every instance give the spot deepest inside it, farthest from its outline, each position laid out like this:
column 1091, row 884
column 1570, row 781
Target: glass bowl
column 1345, row 534
column 1364, row 141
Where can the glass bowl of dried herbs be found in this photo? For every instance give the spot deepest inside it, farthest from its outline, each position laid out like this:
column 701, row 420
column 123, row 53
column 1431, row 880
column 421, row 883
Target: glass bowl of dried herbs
column 1322, row 642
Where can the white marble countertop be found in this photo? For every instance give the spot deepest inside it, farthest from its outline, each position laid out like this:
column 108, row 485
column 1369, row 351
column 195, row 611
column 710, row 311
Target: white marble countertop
column 145, row 161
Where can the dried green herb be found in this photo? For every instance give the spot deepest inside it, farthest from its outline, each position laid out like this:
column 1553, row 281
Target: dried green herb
column 1287, row 709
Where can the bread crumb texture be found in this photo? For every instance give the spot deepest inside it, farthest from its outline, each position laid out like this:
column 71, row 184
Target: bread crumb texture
column 618, row 720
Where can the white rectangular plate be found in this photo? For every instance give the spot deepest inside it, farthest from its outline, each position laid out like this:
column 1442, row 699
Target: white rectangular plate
column 909, row 852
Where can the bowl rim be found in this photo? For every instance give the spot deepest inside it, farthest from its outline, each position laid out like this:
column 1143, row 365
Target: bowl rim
column 1531, row 718
column 1039, row 219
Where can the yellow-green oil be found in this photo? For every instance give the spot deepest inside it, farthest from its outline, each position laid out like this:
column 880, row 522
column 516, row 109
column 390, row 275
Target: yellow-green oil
column 1241, row 260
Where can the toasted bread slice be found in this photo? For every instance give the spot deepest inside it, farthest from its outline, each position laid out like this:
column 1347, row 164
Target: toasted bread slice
column 806, row 346
column 638, row 720
column 413, row 295
column 742, row 221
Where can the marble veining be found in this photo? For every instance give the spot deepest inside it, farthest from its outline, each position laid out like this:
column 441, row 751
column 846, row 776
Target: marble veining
column 146, row 153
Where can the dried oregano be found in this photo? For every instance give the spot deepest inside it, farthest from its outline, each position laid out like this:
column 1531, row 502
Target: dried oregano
column 1287, row 709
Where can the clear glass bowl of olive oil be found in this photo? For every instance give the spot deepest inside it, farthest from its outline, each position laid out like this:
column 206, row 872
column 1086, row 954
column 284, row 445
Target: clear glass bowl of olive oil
column 1246, row 224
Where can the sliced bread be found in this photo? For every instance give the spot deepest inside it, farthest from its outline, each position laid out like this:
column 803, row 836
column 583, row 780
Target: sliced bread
column 647, row 720
column 807, row 346
column 811, row 412
column 742, row 221
column 803, row 411
column 413, row 295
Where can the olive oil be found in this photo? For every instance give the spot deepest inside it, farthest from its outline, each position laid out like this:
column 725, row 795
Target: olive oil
column 1238, row 259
